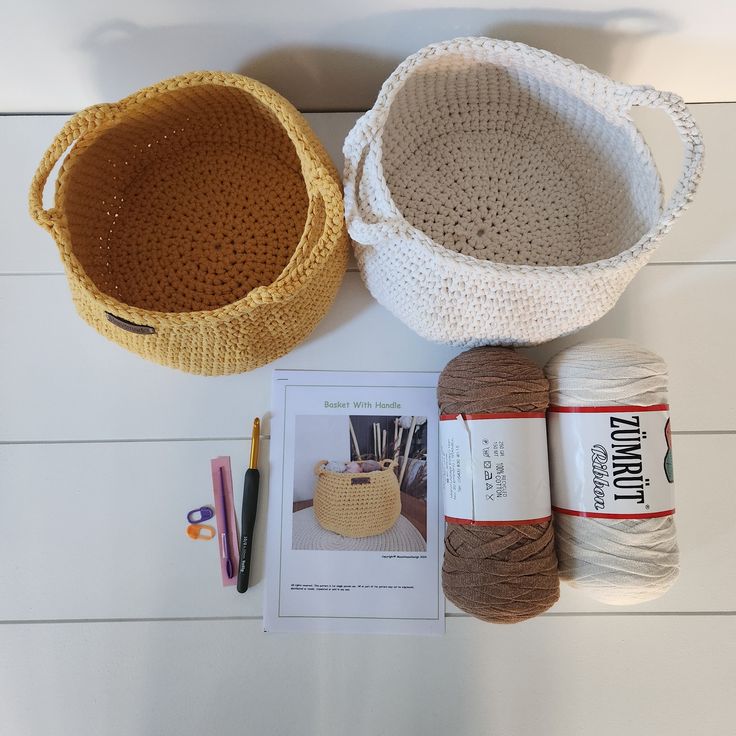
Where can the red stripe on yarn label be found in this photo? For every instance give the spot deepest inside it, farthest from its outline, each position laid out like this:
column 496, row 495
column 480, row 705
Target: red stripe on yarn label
column 612, row 463
column 597, row 515
column 521, row 522
column 606, row 409
column 494, row 471
column 502, row 415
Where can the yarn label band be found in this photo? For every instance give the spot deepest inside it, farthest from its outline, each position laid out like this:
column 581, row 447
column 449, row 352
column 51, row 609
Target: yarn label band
column 611, row 462
column 493, row 468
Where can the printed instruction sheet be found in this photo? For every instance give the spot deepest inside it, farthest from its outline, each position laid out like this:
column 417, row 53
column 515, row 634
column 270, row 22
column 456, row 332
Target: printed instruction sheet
column 354, row 529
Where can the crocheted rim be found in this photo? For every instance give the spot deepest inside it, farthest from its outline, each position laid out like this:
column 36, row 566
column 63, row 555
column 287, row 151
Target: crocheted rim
column 321, row 470
column 320, row 181
column 369, row 128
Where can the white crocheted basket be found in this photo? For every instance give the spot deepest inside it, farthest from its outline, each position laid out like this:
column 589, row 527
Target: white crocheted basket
column 497, row 193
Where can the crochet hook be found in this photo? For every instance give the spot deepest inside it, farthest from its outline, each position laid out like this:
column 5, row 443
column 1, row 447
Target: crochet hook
column 250, row 504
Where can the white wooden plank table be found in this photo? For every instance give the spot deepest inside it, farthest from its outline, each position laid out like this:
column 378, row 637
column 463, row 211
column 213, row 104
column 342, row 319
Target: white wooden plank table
column 112, row 621
column 608, row 676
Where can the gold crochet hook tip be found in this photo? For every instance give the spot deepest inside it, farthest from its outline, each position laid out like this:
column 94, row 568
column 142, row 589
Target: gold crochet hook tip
column 255, row 439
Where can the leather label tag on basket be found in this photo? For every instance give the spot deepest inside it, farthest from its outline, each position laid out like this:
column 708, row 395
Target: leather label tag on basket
column 124, row 324
column 359, row 481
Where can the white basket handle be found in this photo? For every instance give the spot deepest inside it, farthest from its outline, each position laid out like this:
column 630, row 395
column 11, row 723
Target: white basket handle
column 692, row 141
column 360, row 147
column 362, row 165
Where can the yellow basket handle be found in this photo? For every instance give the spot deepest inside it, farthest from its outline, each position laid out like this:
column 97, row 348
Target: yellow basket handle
column 319, row 468
column 386, row 464
column 75, row 127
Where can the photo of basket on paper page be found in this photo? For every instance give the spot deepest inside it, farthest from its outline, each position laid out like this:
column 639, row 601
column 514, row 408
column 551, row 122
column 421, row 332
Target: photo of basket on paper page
column 367, row 490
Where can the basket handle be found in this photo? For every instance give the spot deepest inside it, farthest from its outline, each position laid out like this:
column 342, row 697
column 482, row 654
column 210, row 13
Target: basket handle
column 386, row 464
column 692, row 140
column 368, row 223
column 359, row 144
column 319, row 468
column 75, row 127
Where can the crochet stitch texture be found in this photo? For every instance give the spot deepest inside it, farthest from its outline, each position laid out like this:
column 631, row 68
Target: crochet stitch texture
column 357, row 504
column 497, row 193
column 200, row 222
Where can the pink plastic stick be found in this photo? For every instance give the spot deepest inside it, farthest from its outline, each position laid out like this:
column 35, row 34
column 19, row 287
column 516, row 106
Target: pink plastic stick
column 229, row 509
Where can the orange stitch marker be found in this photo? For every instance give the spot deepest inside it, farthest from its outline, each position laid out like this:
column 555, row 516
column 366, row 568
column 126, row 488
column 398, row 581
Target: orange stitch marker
column 200, row 531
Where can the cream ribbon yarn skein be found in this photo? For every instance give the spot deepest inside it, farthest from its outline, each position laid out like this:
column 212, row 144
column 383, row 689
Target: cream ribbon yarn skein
column 627, row 561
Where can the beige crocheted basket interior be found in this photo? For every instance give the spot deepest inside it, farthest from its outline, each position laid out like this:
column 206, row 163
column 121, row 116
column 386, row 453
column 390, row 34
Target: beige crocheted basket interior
column 500, row 194
column 488, row 163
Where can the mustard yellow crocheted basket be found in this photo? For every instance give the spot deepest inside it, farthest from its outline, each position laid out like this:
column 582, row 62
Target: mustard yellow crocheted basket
column 200, row 222
column 357, row 504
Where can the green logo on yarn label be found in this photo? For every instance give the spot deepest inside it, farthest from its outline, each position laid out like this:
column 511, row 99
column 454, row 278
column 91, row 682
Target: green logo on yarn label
column 611, row 462
column 668, row 469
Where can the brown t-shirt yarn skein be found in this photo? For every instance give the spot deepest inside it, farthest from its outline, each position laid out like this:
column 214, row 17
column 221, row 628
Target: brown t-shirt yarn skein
column 502, row 574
